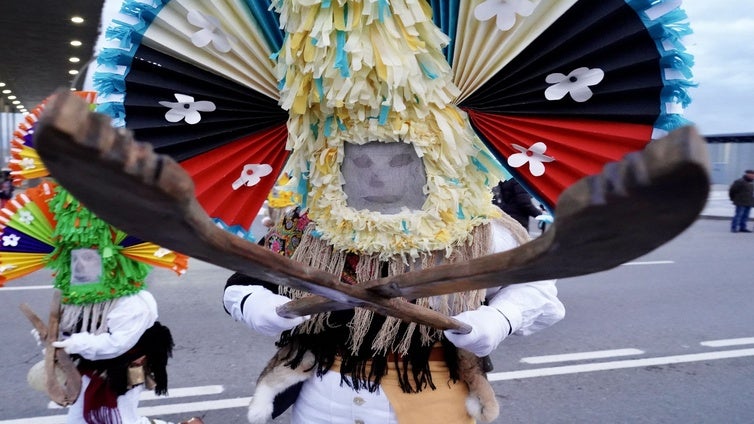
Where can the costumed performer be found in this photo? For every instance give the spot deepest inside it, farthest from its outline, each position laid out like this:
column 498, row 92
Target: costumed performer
column 108, row 320
column 395, row 182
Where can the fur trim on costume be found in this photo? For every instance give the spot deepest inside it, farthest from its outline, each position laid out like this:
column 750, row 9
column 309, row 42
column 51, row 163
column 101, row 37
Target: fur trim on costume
column 276, row 377
column 481, row 403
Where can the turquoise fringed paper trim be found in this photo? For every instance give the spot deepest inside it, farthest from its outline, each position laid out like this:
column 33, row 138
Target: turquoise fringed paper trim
column 235, row 229
column 111, row 85
column 669, row 29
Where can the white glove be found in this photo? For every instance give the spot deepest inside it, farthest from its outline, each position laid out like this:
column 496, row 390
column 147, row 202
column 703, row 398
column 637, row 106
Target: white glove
column 259, row 309
column 38, row 339
column 489, row 327
column 76, row 343
column 35, row 334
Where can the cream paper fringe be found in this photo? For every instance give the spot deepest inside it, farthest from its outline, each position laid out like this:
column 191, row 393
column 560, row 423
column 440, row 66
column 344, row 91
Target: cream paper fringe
column 358, row 71
column 91, row 318
column 317, row 253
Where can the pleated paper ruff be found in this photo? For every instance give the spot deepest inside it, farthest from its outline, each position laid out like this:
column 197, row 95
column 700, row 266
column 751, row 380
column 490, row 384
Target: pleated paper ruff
column 150, row 253
column 588, row 83
column 25, row 163
column 195, row 79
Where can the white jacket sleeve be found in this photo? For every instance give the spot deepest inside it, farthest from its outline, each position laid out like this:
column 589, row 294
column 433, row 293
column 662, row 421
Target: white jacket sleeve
column 257, row 307
column 127, row 321
column 529, row 307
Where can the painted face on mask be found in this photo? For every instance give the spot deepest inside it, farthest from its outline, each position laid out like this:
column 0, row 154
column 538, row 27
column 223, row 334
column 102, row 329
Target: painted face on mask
column 383, row 177
column 86, row 266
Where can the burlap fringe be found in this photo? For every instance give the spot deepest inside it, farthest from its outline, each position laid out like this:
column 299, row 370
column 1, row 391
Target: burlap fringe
column 318, row 253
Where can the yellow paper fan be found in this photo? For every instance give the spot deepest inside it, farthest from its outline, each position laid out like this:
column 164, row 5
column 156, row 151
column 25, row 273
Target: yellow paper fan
column 15, row 265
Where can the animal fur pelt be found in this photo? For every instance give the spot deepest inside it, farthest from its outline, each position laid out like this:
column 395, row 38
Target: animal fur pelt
column 275, row 378
column 481, row 404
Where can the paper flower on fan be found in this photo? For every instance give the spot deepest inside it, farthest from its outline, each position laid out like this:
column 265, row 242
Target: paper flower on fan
column 576, row 84
column 210, row 32
column 534, row 156
column 26, row 217
column 11, row 240
column 27, row 163
column 251, row 175
column 505, row 10
column 186, row 108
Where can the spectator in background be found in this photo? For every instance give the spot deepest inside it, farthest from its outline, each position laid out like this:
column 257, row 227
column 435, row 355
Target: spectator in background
column 514, row 200
column 6, row 188
column 741, row 193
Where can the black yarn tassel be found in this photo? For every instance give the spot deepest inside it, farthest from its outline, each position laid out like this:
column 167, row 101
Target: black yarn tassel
column 158, row 344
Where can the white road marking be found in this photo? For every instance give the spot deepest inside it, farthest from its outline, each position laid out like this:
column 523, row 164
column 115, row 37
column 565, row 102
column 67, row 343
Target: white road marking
column 614, row 365
column 151, row 411
column 728, row 342
column 25, row 288
column 53, row 419
column 172, row 394
column 650, row 263
column 182, row 408
column 598, row 354
column 184, row 392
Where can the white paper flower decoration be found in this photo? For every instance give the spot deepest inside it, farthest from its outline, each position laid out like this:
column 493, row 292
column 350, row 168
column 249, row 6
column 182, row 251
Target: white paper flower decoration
column 535, row 156
column 11, row 240
column 7, row 267
column 159, row 253
column 26, row 217
column 251, row 175
column 505, row 10
column 28, row 163
column 210, row 32
column 576, row 84
column 186, row 108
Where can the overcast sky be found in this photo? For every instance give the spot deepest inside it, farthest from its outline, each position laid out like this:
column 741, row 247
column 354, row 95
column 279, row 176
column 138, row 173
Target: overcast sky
column 723, row 49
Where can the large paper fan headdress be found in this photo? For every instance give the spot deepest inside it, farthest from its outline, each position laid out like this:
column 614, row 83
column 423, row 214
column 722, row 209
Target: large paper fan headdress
column 553, row 89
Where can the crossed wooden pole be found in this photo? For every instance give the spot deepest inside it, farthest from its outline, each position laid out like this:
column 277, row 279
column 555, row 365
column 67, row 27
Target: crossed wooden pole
column 632, row 207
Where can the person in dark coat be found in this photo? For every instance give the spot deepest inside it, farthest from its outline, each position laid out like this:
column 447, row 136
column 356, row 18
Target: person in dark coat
column 741, row 193
column 6, row 188
column 513, row 199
